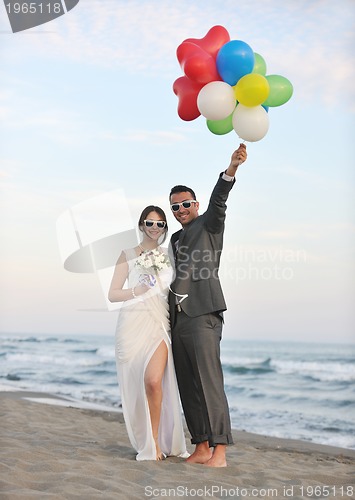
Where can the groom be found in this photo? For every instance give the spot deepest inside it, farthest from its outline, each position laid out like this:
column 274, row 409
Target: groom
column 196, row 314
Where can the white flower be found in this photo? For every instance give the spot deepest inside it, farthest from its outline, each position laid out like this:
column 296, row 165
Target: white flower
column 153, row 260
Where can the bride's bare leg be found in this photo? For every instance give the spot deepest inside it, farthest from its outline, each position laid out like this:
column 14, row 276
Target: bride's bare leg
column 153, row 386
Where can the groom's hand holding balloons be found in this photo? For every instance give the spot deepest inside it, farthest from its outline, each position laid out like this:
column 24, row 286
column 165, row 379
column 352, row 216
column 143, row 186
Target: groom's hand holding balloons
column 238, row 157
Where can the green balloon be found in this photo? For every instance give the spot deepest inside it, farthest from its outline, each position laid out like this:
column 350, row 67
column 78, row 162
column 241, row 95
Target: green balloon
column 220, row 127
column 281, row 90
column 259, row 65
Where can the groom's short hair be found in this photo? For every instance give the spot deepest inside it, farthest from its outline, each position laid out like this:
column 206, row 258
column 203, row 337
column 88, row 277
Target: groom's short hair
column 182, row 189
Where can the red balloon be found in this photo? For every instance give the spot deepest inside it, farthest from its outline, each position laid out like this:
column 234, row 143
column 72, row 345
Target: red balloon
column 213, row 41
column 196, row 63
column 197, row 56
column 187, row 92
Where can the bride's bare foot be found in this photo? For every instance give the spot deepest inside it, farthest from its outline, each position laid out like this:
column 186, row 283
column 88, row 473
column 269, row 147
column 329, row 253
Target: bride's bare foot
column 159, row 454
column 201, row 455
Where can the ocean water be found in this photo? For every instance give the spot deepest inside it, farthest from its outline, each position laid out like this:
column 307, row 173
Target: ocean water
column 292, row 390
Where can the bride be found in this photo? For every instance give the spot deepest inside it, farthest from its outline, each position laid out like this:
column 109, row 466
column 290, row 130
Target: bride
column 150, row 401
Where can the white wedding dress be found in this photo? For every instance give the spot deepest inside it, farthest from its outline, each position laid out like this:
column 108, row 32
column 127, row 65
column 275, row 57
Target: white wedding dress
column 143, row 323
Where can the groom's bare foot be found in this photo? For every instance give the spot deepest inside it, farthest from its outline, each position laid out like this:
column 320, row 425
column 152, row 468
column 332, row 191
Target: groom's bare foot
column 218, row 458
column 201, row 455
column 214, row 462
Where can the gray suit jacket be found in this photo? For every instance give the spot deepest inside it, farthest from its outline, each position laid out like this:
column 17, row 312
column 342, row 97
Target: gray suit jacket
column 197, row 250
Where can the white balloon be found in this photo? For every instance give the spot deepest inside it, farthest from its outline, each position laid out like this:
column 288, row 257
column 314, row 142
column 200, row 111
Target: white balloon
column 251, row 124
column 216, row 100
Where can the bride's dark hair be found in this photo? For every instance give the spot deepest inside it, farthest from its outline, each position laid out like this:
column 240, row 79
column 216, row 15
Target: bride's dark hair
column 160, row 212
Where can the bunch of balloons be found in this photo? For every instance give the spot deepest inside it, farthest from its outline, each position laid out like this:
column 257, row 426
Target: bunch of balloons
column 226, row 82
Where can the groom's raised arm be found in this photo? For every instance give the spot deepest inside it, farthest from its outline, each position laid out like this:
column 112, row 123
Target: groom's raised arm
column 216, row 211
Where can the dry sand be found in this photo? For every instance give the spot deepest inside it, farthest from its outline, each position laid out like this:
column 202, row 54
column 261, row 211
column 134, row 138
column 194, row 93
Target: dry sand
column 60, row 452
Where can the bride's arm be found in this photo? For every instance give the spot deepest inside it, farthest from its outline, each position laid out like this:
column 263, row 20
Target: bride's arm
column 116, row 292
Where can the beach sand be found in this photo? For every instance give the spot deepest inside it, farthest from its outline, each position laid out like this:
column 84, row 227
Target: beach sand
column 60, row 452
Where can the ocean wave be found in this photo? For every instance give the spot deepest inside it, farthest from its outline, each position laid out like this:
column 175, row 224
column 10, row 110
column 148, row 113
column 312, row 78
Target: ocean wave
column 33, row 339
column 83, row 351
column 68, row 381
column 33, row 360
column 12, row 376
column 294, row 424
column 102, row 373
column 318, row 371
column 253, row 368
column 326, row 371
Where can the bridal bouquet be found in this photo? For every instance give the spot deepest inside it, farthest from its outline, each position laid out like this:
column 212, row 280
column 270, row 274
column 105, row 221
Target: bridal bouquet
column 153, row 260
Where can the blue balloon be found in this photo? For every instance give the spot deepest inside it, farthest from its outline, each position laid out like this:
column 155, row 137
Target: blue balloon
column 234, row 60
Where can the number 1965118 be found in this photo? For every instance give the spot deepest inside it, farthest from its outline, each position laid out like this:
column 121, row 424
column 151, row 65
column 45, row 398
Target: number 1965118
column 323, row 491
column 33, row 8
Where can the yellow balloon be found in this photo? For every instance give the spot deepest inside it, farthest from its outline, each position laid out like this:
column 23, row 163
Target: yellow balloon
column 252, row 89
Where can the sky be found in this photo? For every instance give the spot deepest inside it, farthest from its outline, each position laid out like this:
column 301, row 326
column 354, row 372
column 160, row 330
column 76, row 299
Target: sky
column 87, row 110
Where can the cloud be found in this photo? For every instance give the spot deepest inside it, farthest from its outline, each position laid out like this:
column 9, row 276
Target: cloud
column 46, row 120
column 310, row 43
column 4, row 174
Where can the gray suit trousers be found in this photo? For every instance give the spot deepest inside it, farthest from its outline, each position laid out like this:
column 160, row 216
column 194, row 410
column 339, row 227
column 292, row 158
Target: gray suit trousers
column 196, row 350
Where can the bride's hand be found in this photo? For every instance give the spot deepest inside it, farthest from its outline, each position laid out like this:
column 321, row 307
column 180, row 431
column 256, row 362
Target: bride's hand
column 141, row 289
column 147, row 279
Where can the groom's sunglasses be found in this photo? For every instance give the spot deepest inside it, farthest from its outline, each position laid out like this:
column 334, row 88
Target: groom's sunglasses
column 175, row 207
column 160, row 223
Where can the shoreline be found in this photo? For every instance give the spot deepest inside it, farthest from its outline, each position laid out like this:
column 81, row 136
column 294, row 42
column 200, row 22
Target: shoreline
column 65, row 452
column 273, row 389
column 238, row 435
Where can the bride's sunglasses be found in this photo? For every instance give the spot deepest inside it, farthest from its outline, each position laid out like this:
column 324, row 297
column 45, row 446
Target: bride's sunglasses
column 160, row 223
column 175, row 207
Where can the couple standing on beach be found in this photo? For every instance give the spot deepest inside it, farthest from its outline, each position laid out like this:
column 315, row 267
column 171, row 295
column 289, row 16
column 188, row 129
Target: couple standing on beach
column 170, row 329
